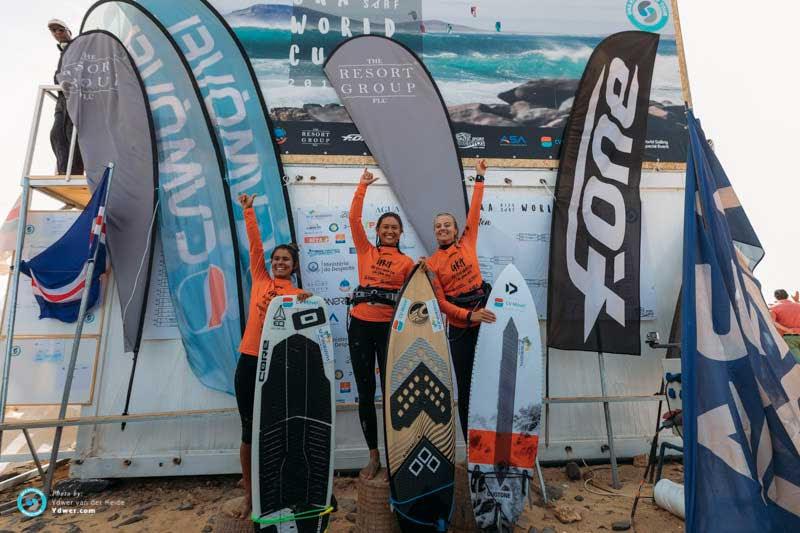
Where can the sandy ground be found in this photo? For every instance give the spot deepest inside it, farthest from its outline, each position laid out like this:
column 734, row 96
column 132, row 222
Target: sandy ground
column 197, row 504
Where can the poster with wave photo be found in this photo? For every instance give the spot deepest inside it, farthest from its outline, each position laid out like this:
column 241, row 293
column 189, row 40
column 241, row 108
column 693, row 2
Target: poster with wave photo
column 507, row 70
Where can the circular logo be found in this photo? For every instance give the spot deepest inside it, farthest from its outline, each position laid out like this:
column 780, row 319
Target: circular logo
column 16, row 350
column 89, row 318
column 313, row 266
column 344, row 286
column 29, row 229
column 31, row 502
column 418, row 313
column 280, row 135
column 648, row 15
column 339, row 374
column 334, row 227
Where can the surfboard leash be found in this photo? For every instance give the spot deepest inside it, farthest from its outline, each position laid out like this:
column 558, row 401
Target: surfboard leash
column 305, row 515
column 440, row 524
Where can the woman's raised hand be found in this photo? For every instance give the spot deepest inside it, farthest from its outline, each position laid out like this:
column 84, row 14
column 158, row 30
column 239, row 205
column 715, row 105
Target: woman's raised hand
column 368, row 178
column 246, row 200
column 481, row 167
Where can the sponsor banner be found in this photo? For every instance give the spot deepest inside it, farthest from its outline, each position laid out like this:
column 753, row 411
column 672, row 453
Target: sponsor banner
column 503, row 68
column 515, row 227
column 194, row 224
column 233, row 100
column 397, row 107
column 594, row 293
column 740, row 413
column 106, row 101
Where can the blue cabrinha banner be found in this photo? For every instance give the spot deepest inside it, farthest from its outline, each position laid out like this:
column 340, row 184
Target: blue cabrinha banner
column 741, row 384
column 197, row 235
column 234, row 102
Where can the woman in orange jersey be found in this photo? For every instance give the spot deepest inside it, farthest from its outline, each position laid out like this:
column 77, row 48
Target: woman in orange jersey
column 382, row 270
column 460, row 289
column 283, row 263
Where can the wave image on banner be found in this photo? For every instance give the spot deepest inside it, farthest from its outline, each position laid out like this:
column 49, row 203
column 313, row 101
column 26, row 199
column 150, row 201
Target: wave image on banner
column 238, row 114
column 508, row 92
column 198, row 240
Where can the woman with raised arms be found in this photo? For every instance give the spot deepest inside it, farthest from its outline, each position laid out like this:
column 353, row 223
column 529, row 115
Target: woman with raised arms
column 460, row 289
column 382, row 271
column 284, row 261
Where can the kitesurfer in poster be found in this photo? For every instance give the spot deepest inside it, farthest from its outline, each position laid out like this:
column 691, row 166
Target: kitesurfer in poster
column 460, row 289
column 61, row 132
column 382, row 271
column 284, row 261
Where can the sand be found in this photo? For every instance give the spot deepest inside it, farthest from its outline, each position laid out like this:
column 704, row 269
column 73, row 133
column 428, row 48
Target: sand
column 196, row 504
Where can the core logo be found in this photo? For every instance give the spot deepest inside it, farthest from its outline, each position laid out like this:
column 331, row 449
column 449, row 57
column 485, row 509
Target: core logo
column 604, row 137
column 648, row 15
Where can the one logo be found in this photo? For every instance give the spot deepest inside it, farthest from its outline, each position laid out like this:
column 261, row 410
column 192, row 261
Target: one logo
column 466, row 141
column 600, row 163
column 341, row 238
column 313, row 266
column 648, row 15
column 334, row 319
column 339, row 374
column 418, row 313
column 16, row 351
column 262, row 364
column 344, row 286
column 326, row 251
column 344, row 386
column 424, row 459
column 511, row 288
column 288, row 302
column 546, row 141
column 499, row 302
column 334, row 227
column 316, row 239
column 315, row 137
column 308, row 318
column 280, row 135
column 279, row 318
column 32, row 502
column 211, row 284
column 513, row 140
column 353, row 137
column 353, row 251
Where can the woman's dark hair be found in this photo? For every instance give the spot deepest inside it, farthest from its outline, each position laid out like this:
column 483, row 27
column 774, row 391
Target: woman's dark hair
column 293, row 251
column 388, row 214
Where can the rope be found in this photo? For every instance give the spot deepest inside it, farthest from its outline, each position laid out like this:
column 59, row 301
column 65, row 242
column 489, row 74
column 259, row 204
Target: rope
column 141, row 263
column 305, row 515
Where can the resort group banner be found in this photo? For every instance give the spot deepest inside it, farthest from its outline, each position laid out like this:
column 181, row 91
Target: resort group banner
column 515, row 227
column 507, row 74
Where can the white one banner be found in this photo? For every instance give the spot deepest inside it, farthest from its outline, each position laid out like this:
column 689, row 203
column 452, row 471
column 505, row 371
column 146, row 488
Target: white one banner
column 515, row 228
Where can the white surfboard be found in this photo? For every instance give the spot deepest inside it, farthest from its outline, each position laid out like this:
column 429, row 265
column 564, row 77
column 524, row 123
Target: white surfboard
column 293, row 418
column 505, row 405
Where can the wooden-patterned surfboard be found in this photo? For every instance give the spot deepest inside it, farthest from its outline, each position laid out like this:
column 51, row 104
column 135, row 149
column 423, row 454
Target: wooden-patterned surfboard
column 418, row 410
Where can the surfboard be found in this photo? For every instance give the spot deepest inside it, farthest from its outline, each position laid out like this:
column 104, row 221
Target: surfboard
column 418, row 411
column 505, row 405
column 293, row 418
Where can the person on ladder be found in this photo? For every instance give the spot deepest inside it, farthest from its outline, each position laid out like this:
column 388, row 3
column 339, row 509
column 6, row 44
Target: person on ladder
column 382, row 271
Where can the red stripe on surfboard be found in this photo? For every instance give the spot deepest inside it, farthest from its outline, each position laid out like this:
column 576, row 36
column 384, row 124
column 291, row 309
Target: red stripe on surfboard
column 514, row 449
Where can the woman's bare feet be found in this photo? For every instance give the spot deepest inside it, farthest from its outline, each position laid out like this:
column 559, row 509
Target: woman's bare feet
column 374, row 464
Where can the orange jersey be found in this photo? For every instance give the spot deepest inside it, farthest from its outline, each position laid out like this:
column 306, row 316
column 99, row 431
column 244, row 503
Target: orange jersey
column 456, row 268
column 264, row 288
column 383, row 267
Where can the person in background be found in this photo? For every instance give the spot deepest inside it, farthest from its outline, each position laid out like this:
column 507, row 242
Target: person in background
column 382, row 271
column 61, row 132
column 460, row 289
column 284, row 261
column 786, row 315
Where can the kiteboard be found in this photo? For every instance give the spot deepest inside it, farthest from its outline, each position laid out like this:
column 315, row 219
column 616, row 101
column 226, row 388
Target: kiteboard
column 505, row 405
column 418, row 411
column 293, row 416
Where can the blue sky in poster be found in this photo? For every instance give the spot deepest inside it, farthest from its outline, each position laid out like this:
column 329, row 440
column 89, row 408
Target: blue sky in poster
column 596, row 17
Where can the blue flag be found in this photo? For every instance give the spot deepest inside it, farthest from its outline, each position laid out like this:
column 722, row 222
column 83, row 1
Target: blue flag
column 58, row 274
column 741, row 385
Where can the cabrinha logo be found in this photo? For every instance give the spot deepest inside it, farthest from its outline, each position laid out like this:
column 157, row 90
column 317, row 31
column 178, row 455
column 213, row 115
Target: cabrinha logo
column 31, row 502
column 648, row 15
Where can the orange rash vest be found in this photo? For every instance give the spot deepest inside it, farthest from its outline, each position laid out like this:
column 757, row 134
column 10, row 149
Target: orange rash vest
column 264, row 288
column 456, row 269
column 381, row 267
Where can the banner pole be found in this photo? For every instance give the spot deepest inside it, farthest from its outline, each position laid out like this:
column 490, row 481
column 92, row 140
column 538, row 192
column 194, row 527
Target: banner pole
column 609, row 429
column 547, row 395
column 73, row 359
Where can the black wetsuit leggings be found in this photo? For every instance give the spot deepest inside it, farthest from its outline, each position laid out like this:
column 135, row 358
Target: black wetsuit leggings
column 462, row 352
column 368, row 341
